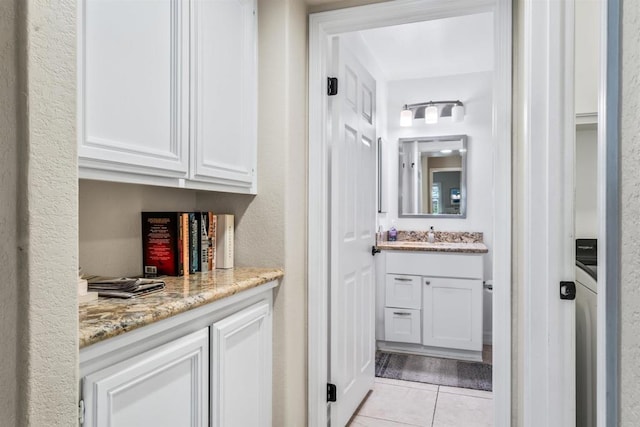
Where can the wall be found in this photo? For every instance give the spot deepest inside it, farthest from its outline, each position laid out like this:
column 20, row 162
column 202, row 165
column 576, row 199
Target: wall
column 475, row 91
column 630, row 220
column 39, row 214
column 9, row 292
column 586, row 182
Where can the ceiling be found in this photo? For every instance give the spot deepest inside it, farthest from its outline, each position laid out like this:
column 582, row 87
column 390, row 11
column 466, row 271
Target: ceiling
column 443, row 47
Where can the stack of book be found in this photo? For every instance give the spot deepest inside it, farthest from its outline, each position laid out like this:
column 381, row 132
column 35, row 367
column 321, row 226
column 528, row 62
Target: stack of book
column 180, row 243
column 123, row 287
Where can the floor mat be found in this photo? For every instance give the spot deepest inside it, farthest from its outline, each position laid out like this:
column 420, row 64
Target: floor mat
column 433, row 370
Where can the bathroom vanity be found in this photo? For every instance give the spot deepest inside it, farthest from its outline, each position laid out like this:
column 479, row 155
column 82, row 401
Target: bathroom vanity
column 430, row 298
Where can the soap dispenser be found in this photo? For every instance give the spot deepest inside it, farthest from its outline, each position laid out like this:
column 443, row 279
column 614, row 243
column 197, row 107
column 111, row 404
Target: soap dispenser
column 431, row 235
column 393, row 233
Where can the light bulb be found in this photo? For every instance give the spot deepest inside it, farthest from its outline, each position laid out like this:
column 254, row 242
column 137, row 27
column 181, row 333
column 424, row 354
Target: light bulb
column 431, row 114
column 457, row 113
column 406, row 118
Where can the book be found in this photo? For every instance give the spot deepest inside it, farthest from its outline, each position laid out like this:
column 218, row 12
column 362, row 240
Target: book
column 184, row 242
column 160, row 244
column 207, row 241
column 194, row 242
column 224, row 241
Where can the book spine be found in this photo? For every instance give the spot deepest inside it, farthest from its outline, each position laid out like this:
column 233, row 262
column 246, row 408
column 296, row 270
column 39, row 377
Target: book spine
column 203, row 241
column 213, row 221
column 194, row 236
column 224, row 246
column 184, row 244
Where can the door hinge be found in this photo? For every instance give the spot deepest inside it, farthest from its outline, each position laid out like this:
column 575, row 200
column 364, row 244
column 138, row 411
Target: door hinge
column 568, row 290
column 332, row 86
column 81, row 412
column 331, row 393
column 374, row 250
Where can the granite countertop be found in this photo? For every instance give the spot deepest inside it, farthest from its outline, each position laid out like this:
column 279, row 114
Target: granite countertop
column 455, row 247
column 109, row 317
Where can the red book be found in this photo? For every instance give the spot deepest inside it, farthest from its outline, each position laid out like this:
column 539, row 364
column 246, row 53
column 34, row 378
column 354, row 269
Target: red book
column 160, row 244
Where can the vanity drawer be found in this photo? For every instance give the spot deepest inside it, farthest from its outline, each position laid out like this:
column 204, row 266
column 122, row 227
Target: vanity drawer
column 403, row 291
column 461, row 265
column 402, row 325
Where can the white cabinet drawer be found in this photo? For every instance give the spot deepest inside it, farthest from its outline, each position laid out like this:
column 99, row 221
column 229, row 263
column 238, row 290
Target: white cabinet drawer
column 403, row 291
column 402, row 325
column 467, row 266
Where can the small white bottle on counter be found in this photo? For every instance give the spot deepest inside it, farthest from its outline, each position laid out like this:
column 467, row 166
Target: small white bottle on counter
column 431, row 235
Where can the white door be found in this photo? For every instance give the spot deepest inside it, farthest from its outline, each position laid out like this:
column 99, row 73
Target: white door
column 352, row 289
column 163, row 387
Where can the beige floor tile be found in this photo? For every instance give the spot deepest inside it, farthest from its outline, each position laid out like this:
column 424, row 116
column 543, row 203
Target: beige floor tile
column 466, row 392
column 400, row 404
column 410, row 384
column 361, row 421
column 456, row 410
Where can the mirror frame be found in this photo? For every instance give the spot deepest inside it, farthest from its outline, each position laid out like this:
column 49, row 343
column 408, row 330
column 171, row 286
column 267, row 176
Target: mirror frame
column 463, row 175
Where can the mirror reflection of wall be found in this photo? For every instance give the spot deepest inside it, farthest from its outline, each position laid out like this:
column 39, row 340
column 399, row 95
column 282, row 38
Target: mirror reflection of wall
column 432, row 176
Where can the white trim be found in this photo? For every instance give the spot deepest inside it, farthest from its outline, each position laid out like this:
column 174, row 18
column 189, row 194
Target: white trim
column 325, row 24
column 547, row 226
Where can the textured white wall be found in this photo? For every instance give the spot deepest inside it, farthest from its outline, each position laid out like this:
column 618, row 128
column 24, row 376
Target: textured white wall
column 8, row 216
column 475, row 91
column 630, row 220
column 48, row 215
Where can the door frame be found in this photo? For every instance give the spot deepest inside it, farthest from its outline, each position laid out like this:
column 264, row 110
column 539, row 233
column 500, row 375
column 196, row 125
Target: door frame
column 324, row 25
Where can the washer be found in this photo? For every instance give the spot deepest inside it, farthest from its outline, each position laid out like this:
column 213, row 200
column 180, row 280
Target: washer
column 586, row 330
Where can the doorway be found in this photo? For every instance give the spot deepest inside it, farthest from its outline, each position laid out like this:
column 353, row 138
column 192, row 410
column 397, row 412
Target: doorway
column 377, row 16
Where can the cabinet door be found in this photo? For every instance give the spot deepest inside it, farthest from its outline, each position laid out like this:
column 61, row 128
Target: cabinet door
column 452, row 313
column 224, row 94
column 133, row 88
column 167, row 386
column 241, row 368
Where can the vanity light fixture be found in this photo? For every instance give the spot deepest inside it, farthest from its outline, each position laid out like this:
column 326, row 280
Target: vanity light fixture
column 431, row 112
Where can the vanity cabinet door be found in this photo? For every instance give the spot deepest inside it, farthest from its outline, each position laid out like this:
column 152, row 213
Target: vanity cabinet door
column 224, row 94
column 241, row 368
column 133, row 83
column 452, row 313
column 165, row 386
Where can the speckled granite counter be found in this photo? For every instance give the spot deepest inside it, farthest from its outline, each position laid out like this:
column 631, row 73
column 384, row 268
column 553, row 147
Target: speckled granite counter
column 109, row 317
column 456, row 247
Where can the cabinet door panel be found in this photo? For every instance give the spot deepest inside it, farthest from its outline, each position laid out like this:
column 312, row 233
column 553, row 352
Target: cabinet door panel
column 241, row 368
column 403, row 291
column 452, row 313
column 223, row 93
column 166, row 386
column 133, row 86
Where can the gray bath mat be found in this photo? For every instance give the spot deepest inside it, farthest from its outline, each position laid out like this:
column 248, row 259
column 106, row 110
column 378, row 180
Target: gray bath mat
column 433, row 370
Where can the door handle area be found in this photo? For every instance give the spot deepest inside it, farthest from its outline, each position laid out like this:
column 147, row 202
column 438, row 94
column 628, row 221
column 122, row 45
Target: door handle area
column 427, row 282
column 374, row 250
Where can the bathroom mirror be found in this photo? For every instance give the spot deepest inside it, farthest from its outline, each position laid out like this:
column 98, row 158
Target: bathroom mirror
column 432, row 176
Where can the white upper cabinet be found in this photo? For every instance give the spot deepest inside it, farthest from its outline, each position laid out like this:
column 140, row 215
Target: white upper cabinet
column 223, row 92
column 167, row 92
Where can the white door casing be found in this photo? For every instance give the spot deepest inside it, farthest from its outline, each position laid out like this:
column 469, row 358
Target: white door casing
column 353, row 184
column 547, row 229
column 324, row 25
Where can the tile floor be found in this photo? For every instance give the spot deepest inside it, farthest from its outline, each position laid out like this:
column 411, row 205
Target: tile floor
column 396, row 403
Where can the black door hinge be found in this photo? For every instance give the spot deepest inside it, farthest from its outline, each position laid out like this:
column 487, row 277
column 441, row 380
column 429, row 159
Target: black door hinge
column 332, row 86
column 568, row 290
column 331, row 392
column 374, row 250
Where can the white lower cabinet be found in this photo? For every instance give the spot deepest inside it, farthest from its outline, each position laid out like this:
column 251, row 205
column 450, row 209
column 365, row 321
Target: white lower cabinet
column 210, row 366
column 166, row 386
column 432, row 304
column 241, row 362
column 452, row 313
